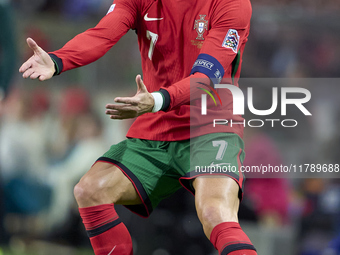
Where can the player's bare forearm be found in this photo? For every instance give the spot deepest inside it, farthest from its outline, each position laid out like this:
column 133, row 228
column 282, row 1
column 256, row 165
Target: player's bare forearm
column 131, row 107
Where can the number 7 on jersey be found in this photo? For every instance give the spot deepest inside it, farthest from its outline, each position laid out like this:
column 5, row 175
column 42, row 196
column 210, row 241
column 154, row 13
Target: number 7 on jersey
column 153, row 39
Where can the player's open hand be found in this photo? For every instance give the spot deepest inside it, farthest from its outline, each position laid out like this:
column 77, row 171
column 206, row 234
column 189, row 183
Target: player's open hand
column 40, row 65
column 132, row 107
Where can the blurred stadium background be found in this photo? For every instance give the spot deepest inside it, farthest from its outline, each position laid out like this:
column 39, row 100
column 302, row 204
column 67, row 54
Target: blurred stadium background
column 51, row 132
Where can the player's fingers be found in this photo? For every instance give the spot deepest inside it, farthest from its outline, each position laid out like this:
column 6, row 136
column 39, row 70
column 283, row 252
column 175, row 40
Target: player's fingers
column 140, row 83
column 27, row 73
column 116, row 117
column 122, row 116
column 138, row 78
column 126, row 100
column 110, row 106
column 120, row 107
column 42, row 78
column 112, row 112
column 34, row 75
column 25, row 66
column 33, row 45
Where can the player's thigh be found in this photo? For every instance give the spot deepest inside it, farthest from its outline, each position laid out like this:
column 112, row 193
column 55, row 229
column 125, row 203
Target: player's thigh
column 105, row 183
column 215, row 172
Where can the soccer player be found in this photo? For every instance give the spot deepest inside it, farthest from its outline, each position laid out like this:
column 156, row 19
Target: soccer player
column 179, row 41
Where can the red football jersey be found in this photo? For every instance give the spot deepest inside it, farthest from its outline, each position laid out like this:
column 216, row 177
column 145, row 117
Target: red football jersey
column 178, row 40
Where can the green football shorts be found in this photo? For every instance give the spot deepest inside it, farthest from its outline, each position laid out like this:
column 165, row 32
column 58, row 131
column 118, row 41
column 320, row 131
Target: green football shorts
column 157, row 169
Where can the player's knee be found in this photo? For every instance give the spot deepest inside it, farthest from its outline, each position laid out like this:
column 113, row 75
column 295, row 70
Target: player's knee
column 87, row 191
column 210, row 214
column 79, row 192
column 216, row 211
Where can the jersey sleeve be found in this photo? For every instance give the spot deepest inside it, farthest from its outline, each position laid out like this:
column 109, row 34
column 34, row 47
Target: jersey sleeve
column 92, row 44
column 221, row 53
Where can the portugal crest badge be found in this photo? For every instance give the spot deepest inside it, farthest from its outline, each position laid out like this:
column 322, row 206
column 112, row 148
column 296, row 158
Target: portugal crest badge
column 201, row 25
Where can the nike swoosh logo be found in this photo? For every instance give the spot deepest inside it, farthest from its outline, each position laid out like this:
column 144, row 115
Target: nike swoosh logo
column 221, row 164
column 112, row 250
column 146, row 18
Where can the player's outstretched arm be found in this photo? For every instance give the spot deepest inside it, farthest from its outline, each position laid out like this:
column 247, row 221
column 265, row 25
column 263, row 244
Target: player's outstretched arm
column 40, row 65
column 132, row 107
